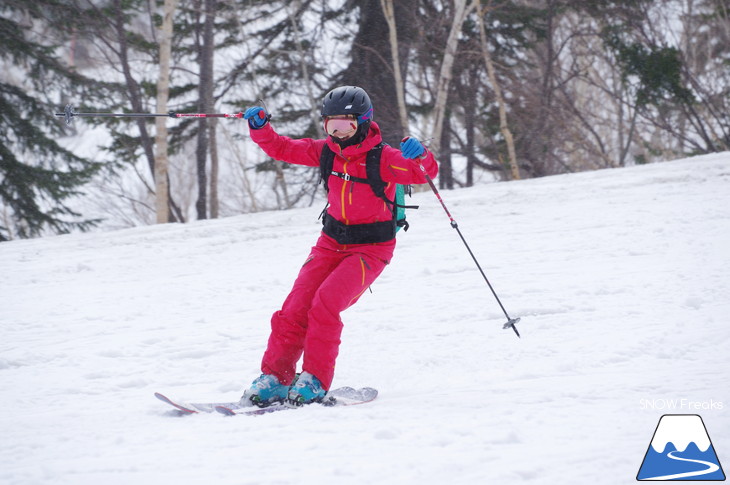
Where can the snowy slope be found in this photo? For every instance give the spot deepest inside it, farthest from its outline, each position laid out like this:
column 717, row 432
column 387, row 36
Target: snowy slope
column 620, row 276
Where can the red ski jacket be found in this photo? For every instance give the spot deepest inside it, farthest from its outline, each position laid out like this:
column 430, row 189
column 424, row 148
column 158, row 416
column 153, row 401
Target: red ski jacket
column 350, row 202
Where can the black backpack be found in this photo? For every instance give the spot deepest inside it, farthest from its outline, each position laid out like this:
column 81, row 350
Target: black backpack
column 372, row 169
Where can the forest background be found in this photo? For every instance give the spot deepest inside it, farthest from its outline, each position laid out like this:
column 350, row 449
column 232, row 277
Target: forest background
column 499, row 90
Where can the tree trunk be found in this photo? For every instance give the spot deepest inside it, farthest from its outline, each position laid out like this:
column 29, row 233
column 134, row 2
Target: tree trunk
column 205, row 93
column 469, row 129
column 162, row 186
column 212, row 122
column 304, row 63
column 446, row 171
column 389, row 13
column 214, row 168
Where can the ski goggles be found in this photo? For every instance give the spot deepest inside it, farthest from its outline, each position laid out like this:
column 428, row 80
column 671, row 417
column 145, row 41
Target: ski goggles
column 340, row 127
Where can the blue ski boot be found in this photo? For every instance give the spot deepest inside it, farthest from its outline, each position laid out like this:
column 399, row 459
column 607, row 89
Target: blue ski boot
column 307, row 389
column 265, row 391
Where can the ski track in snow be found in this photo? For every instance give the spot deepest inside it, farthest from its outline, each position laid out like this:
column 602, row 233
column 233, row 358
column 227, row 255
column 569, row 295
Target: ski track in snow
column 621, row 278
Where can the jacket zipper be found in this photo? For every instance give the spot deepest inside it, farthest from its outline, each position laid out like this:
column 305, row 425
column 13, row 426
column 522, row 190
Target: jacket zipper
column 344, row 189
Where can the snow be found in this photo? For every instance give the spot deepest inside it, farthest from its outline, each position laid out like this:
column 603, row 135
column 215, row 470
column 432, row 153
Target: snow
column 620, row 277
column 680, row 431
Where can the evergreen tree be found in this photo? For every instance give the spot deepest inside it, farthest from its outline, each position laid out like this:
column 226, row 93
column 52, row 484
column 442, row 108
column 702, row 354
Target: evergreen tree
column 38, row 177
column 679, row 83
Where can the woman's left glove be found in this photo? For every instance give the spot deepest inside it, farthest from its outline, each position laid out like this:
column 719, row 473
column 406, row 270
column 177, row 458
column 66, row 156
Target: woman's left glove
column 257, row 117
column 411, row 147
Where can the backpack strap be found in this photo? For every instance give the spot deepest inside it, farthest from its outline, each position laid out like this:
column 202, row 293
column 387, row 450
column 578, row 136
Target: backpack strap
column 326, row 162
column 372, row 168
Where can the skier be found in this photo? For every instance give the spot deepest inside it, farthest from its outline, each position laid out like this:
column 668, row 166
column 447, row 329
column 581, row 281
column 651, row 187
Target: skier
column 356, row 243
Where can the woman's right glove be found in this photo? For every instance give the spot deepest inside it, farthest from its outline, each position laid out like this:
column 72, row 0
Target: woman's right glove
column 257, row 117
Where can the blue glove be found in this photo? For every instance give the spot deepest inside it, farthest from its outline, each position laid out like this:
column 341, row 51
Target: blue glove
column 411, row 147
column 257, row 117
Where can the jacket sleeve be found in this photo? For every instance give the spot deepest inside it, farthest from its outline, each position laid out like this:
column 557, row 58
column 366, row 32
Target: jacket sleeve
column 396, row 168
column 304, row 151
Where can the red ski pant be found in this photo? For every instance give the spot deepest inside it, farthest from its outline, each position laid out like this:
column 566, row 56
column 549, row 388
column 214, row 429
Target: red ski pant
column 331, row 280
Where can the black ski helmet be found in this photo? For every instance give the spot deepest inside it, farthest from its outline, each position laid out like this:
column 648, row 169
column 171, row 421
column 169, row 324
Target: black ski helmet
column 348, row 100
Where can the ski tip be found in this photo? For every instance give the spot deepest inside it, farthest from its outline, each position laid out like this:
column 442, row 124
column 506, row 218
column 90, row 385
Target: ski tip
column 368, row 394
column 225, row 411
column 348, row 396
column 169, row 401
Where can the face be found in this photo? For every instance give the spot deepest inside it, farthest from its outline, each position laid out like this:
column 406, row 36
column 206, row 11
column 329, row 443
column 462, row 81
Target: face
column 340, row 126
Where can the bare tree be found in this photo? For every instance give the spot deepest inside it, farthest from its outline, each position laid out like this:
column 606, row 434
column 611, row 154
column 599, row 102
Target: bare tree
column 305, row 68
column 503, row 126
column 116, row 46
column 445, row 74
column 389, row 13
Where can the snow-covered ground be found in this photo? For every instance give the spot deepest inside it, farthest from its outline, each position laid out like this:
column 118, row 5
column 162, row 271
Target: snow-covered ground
column 621, row 277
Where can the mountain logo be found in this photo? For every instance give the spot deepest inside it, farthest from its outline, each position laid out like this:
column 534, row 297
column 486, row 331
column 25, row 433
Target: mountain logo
column 681, row 450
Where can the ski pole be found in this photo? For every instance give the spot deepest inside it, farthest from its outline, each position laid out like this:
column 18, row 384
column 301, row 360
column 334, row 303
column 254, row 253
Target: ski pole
column 510, row 321
column 69, row 113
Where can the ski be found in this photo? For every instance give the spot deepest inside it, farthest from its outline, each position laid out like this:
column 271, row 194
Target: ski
column 195, row 408
column 342, row 396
